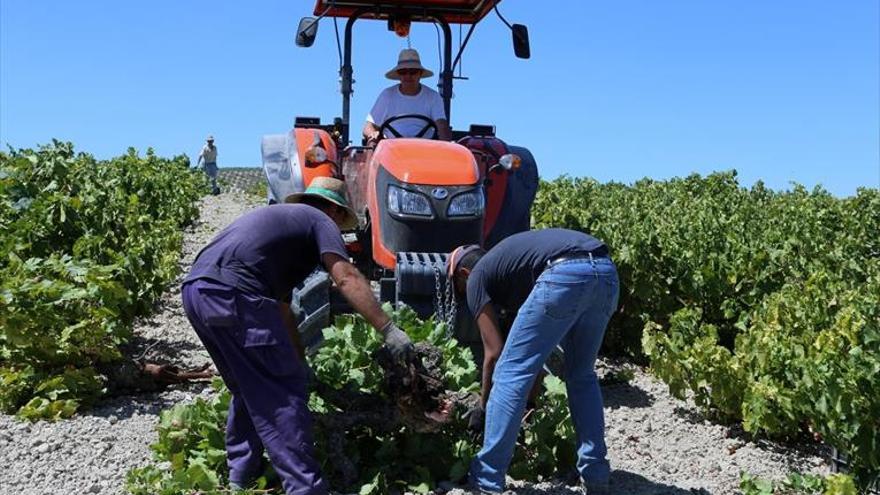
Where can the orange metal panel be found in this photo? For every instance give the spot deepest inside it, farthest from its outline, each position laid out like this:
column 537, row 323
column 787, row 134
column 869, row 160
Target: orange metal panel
column 416, row 161
column 423, row 161
column 304, row 140
column 381, row 255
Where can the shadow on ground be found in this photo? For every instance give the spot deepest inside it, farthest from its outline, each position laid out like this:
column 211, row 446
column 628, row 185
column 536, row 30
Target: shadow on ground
column 625, row 482
column 622, row 394
column 802, row 445
column 126, row 406
column 158, row 350
column 621, row 483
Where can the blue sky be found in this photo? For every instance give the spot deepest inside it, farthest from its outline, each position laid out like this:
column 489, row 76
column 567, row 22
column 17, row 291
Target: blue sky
column 780, row 91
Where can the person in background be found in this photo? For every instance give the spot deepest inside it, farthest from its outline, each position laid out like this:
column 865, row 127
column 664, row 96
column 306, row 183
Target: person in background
column 563, row 288
column 237, row 298
column 408, row 97
column 208, row 160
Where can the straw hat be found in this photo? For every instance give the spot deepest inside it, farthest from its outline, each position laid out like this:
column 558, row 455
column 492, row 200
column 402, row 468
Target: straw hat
column 408, row 59
column 332, row 190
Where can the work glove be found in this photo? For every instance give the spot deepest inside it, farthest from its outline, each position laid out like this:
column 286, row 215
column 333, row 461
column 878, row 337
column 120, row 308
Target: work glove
column 398, row 342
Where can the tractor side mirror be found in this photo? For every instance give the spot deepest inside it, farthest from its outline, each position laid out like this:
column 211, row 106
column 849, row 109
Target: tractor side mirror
column 306, row 32
column 521, row 41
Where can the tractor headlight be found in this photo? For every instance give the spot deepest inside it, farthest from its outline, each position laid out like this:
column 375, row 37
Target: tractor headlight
column 466, row 204
column 407, row 202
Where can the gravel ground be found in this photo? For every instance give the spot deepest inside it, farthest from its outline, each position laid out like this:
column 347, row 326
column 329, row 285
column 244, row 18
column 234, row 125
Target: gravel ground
column 657, row 444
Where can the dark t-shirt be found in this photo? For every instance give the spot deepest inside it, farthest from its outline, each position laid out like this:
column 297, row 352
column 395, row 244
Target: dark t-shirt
column 506, row 274
column 270, row 250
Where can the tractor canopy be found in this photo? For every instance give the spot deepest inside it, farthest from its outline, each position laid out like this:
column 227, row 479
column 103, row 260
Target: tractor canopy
column 399, row 14
column 453, row 11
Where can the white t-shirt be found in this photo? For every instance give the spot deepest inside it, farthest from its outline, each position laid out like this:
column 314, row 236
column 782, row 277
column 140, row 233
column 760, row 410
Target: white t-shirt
column 209, row 154
column 391, row 102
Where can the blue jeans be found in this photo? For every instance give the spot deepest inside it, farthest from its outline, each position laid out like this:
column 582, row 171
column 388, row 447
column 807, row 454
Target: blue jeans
column 211, row 171
column 570, row 305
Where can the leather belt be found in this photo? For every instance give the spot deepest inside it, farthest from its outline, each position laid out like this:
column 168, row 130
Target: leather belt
column 600, row 252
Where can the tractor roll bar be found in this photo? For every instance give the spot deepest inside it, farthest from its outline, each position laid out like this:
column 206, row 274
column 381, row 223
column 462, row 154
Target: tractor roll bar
column 346, row 72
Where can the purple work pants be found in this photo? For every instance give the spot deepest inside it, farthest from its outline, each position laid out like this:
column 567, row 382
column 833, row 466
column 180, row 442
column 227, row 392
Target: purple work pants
column 247, row 339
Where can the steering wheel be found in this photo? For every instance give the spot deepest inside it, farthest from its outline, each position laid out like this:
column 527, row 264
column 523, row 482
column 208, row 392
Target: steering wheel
column 429, row 124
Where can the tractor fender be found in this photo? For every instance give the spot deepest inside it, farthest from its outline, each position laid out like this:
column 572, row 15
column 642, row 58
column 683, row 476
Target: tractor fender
column 522, row 186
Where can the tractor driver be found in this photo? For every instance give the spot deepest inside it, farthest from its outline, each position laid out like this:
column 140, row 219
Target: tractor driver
column 408, row 97
column 235, row 298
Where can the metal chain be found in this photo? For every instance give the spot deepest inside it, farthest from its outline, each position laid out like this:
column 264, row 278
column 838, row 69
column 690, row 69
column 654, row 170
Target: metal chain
column 451, row 308
column 444, row 303
column 439, row 309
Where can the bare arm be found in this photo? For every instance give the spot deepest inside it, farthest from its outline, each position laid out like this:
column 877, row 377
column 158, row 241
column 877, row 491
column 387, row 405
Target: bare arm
column 292, row 330
column 443, row 130
column 356, row 289
column 371, row 131
column 492, row 345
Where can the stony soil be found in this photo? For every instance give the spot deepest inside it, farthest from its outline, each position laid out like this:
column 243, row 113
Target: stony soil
column 657, row 444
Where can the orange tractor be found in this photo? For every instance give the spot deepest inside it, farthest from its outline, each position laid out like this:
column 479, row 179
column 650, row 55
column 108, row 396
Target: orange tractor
column 417, row 199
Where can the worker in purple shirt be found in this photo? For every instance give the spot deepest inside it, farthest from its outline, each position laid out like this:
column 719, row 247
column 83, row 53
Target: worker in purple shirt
column 563, row 289
column 236, row 297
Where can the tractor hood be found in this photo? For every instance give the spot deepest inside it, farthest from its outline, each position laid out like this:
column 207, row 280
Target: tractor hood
column 423, row 161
